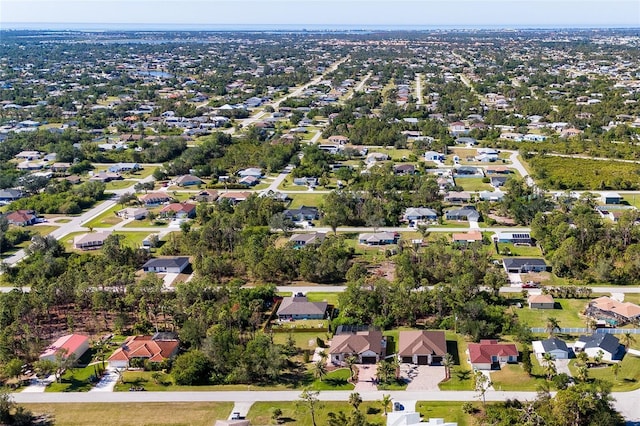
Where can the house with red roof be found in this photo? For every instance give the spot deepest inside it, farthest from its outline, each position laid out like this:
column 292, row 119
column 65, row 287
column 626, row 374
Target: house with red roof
column 179, row 210
column 157, row 348
column 70, row 345
column 22, row 217
column 489, row 354
column 154, row 198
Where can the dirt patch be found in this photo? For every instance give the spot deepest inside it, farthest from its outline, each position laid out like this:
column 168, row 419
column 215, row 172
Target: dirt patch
column 386, row 270
column 502, row 220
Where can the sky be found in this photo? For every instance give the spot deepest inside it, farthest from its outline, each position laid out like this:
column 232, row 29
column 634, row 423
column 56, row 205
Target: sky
column 353, row 13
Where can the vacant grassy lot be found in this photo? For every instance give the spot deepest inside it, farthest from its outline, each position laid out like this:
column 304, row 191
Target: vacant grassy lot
column 311, row 199
column 148, row 414
column 449, row 411
column 133, row 239
column 628, row 376
column 567, row 313
column 118, row 184
column 525, row 251
column 106, row 219
column 583, row 174
column 304, row 340
column 335, row 380
column 461, row 373
column 473, row 184
column 164, row 382
column 297, row 414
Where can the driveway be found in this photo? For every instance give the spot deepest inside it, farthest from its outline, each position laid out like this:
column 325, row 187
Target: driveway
column 108, row 381
column 422, row 377
column 366, row 374
column 562, row 366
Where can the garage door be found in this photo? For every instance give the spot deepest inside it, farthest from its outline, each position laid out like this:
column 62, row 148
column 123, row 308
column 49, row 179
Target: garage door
column 368, row 359
column 423, row 360
column 407, row 359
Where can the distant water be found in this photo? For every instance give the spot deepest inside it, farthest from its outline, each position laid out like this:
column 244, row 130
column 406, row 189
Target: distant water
column 267, row 27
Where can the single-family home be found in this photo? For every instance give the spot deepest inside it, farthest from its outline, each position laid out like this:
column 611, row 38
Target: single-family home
column 458, row 128
column 71, row 345
column 378, row 238
column 489, row 354
column 157, row 348
column 553, row 346
column 515, row 238
column 495, row 196
column 306, row 181
column 414, row 215
column 91, row 240
column 498, row 170
column 404, row 169
column 136, row 213
column 606, row 343
column 298, row 307
column 541, row 301
column 412, row 418
column 307, row 239
column 434, row 156
column 498, row 181
column 457, row 197
column 613, row 311
column 610, row 198
column 22, row 217
column 467, row 171
column 105, row 177
column 464, row 238
column 179, row 210
column 154, row 198
column 613, row 212
column 422, row 347
column 465, row 140
column 188, row 180
column 234, row 197
column 368, row 346
column 339, row 139
column 207, row 196
column 302, row 213
column 251, row 171
column 124, row 167
column 60, row 167
column 28, row 155
column 11, row 194
column 465, row 213
column 522, row 265
column 168, row 265
column 249, row 181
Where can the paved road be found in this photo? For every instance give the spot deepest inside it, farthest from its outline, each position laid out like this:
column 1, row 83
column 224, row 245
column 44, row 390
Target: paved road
column 418, row 89
column 626, row 403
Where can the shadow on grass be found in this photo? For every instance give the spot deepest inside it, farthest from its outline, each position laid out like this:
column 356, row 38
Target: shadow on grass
column 463, row 374
column 452, row 348
column 373, row 410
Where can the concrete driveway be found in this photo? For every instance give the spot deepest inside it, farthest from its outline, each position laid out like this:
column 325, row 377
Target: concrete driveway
column 422, row 377
column 366, row 374
column 562, row 366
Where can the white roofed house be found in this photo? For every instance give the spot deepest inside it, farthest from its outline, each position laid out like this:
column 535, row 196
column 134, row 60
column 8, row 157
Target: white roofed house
column 419, row 214
column 90, row 241
column 378, row 238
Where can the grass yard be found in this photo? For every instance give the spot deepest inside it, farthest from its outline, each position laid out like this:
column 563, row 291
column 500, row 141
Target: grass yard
column 298, row 414
column 148, row 414
column 449, row 411
column 42, row 229
column 395, row 154
column 165, row 383
column 118, row 184
column 526, row 251
column 451, row 224
column 329, row 297
column 106, row 219
column 311, row 199
column 628, row 377
column 287, row 185
column 133, row 239
column 513, row 378
column 304, row 340
column 335, row 380
column 76, row 379
column 461, row 373
column 568, row 315
column 473, row 184
column 146, row 223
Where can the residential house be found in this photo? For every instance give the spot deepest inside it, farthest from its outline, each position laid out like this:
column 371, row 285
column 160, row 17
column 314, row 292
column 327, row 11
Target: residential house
column 105, row 177
column 331, row 149
column 8, row 195
column 154, row 198
column 404, row 169
column 489, row 354
column 302, row 213
column 498, row 170
column 251, row 171
column 522, row 265
column 458, row 128
column 613, row 311
column 606, row 343
column 422, row 347
column 168, row 265
column 188, row 180
column 515, row 238
column 234, row 197
column 306, row 181
column 339, row 139
column 541, row 301
column 465, row 140
column 553, row 346
column 414, row 215
column 22, row 217
column 464, row 238
column 136, row 213
column 457, row 197
column 91, row 240
column 179, row 210
column 610, row 198
column 434, row 156
column 368, row 346
column 412, row 418
column 487, row 155
column 124, row 167
column 378, row 238
column 495, row 196
column 307, row 239
column 465, row 213
column 249, row 181
column 157, row 348
column 467, row 171
column 71, row 345
column 29, row 155
column 60, row 167
column 207, row 196
column 613, row 212
column 498, row 181
column 298, row 307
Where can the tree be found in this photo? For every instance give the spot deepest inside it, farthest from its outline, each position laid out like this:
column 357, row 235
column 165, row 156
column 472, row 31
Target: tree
column 351, row 361
column 386, row 403
column 481, row 384
column 191, row 368
column 63, row 361
column 627, row 339
column 13, row 368
column 447, row 362
column 309, row 399
column 527, row 366
column 615, row 369
column 549, row 365
column 355, row 400
column 552, row 326
column 276, row 413
column 320, row 370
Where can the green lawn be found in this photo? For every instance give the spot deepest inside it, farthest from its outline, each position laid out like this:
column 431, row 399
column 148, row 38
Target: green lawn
column 133, row 239
column 329, row 297
column 304, row 340
column 512, row 377
column 568, row 315
column 525, row 251
column 76, row 379
column 461, row 373
column 449, row 411
column 335, row 380
column 628, row 377
column 307, row 199
column 146, row 223
column 42, row 229
column 106, row 219
column 473, row 184
column 119, row 184
column 148, row 414
column 297, row 414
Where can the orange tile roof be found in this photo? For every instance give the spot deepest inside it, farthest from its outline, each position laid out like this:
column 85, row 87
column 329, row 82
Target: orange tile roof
column 145, row 347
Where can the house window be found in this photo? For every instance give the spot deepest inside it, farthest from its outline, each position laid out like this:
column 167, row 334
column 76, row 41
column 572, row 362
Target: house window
column 494, row 358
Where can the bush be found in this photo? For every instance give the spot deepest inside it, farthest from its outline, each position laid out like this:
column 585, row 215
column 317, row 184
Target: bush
column 191, row 368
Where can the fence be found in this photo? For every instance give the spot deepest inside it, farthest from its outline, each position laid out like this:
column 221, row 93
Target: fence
column 586, row 330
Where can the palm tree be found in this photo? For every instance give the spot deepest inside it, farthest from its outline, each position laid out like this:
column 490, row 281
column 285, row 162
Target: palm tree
column 583, row 373
column 447, row 362
column 323, row 355
column 355, row 400
column 549, row 366
column 351, row 361
column 386, row 403
column 615, row 369
column 627, row 339
column 552, row 326
column 320, row 370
